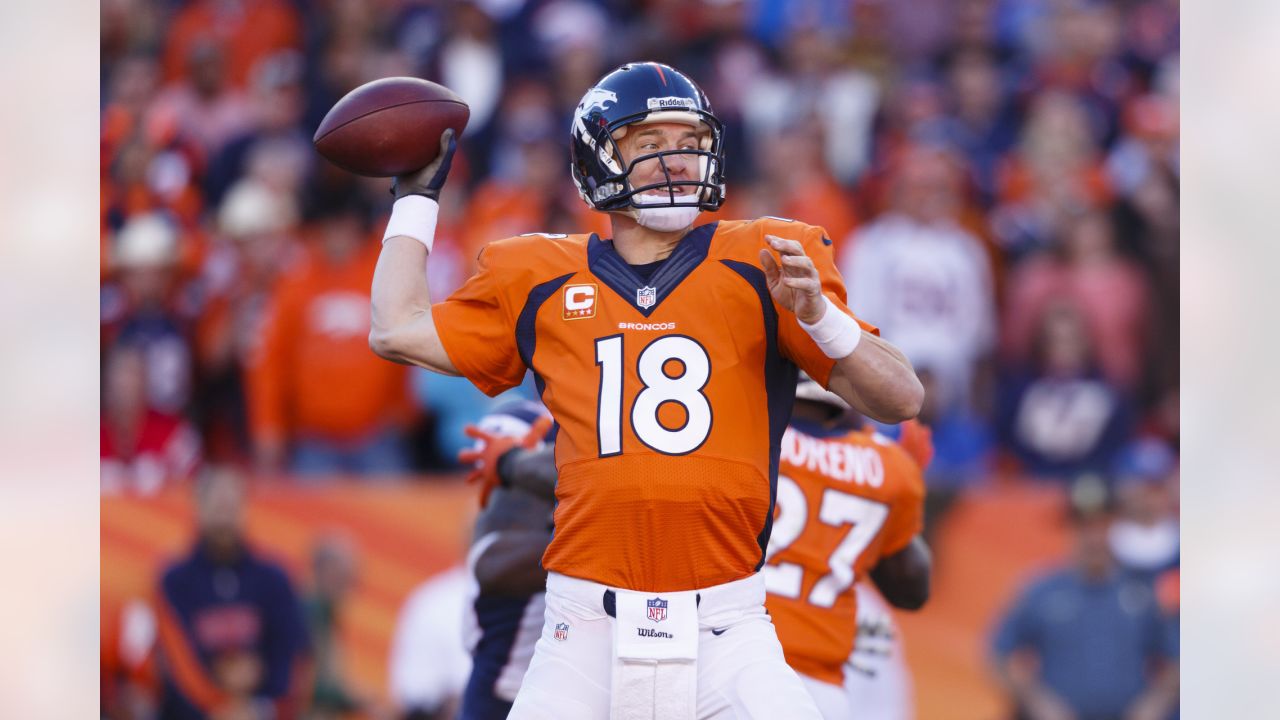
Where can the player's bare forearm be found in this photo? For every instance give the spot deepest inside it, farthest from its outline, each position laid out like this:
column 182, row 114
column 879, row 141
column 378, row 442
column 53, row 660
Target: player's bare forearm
column 903, row 577
column 877, row 380
column 531, row 470
column 401, row 327
column 512, row 565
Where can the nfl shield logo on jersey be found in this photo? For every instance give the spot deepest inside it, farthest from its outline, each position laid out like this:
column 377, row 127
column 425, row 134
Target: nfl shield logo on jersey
column 562, row 631
column 646, row 297
column 657, row 609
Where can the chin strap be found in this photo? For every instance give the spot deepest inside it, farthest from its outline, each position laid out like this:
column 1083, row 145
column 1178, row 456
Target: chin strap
column 663, row 217
column 667, row 219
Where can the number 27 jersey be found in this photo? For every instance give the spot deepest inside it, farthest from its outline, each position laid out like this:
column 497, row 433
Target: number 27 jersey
column 671, row 392
column 846, row 499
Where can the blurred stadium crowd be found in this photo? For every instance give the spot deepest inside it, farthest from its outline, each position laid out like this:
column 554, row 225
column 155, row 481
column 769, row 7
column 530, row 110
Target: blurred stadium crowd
column 1000, row 178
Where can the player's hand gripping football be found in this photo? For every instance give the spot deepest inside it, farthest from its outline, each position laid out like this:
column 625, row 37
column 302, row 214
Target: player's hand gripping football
column 793, row 279
column 917, row 440
column 429, row 180
column 491, row 448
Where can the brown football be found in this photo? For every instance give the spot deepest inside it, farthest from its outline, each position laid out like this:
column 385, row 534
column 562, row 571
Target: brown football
column 390, row 126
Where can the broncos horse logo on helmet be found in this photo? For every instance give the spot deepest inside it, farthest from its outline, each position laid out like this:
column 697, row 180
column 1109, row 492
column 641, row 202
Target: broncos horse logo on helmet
column 637, row 94
column 596, row 99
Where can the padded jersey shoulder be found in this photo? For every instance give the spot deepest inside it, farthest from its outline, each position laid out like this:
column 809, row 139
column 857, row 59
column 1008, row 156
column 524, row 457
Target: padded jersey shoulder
column 512, row 267
column 909, row 480
column 742, row 239
column 535, row 257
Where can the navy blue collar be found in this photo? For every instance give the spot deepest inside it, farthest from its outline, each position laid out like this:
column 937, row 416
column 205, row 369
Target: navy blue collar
column 645, row 296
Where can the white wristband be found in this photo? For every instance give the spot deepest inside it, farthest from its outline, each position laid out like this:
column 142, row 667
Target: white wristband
column 413, row 216
column 836, row 334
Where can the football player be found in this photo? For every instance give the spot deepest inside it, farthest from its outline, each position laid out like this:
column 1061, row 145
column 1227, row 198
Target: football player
column 850, row 506
column 876, row 676
column 429, row 664
column 511, row 533
column 668, row 355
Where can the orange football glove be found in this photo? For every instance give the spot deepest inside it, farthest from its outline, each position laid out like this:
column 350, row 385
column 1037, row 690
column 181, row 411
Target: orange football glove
column 917, row 440
column 492, row 447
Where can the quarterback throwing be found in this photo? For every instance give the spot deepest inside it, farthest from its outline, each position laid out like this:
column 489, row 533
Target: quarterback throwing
column 668, row 356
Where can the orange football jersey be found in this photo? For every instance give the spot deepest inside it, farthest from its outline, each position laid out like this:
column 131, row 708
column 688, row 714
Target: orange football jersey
column 845, row 500
column 671, row 392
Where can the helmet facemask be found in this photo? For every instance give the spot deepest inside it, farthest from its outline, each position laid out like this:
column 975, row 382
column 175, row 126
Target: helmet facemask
column 614, row 191
column 667, row 204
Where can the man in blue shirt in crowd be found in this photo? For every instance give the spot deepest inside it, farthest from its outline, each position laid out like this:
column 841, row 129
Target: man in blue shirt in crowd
column 232, row 640
column 1088, row 641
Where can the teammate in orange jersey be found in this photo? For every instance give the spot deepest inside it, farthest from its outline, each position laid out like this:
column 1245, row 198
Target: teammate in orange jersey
column 668, row 357
column 850, row 504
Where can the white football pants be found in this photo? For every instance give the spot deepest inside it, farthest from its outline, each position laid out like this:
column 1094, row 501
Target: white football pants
column 833, row 701
column 741, row 672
